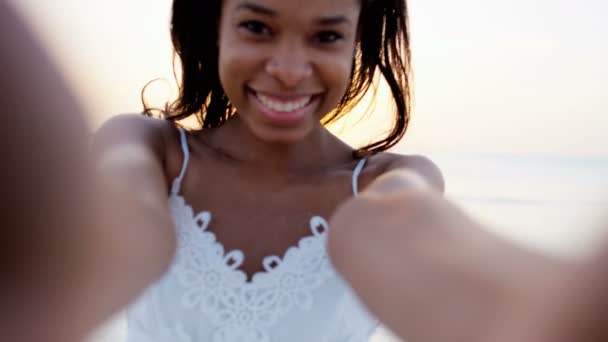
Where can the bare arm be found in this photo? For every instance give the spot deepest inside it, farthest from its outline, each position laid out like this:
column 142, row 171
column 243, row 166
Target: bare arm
column 51, row 229
column 572, row 308
column 427, row 270
column 421, row 173
column 140, row 239
column 82, row 236
column 47, row 193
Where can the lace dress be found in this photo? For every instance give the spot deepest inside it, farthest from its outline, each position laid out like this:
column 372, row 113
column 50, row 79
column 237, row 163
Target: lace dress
column 205, row 297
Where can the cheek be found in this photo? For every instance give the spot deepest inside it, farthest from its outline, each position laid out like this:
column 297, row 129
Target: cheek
column 230, row 56
column 337, row 71
column 228, row 61
column 237, row 63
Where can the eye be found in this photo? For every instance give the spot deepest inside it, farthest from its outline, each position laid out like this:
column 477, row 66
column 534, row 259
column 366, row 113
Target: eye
column 255, row 27
column 327, row 37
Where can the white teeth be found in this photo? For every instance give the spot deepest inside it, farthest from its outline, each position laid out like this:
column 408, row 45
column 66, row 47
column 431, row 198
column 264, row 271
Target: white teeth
column 283, row 106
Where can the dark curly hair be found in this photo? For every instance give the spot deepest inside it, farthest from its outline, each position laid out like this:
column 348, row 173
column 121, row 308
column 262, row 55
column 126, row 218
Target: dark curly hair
column 383, row 46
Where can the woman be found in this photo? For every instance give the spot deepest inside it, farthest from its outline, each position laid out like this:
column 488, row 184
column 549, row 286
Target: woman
column 250, row 191
column 56, row 257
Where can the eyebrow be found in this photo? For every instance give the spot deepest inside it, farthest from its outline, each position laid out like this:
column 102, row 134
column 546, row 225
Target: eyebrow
column 325, row 21
column 257, row 9
column 337, row 20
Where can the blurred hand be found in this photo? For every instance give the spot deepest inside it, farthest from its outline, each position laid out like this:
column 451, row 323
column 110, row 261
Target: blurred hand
column 52, row 218
column 421, row 265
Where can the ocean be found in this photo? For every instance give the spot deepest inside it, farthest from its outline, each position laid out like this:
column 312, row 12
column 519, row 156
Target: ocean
column 550, row 203
column 553, row 204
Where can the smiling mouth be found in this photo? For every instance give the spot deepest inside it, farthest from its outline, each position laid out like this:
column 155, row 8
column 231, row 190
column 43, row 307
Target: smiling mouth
column 283, row 105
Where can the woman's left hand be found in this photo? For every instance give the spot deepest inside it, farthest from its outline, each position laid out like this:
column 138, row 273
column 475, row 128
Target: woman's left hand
column 421, row 265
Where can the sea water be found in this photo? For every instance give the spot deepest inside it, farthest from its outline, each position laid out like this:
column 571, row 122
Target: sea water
column 547, row 202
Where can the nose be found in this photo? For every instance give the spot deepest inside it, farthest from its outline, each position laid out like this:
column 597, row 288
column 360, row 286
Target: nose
column 289, row 64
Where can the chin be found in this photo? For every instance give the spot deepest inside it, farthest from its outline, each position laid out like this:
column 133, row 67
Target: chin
column 282, row 135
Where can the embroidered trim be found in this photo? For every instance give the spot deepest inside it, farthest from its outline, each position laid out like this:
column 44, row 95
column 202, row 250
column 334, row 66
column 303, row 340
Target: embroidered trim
column 214, row 286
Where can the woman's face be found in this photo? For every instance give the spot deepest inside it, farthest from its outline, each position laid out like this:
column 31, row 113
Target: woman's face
column 284, row 64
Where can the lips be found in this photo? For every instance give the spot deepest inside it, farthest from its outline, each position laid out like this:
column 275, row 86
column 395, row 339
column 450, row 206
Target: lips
column 283, row 106
column 284, row 110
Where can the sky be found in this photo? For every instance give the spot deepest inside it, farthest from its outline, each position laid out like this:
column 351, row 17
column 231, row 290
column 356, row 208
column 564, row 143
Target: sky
column 513, row 77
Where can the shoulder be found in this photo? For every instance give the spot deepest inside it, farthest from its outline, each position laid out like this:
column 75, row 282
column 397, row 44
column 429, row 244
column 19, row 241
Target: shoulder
column 419, row 164
column 138, row 136
column 134, row 128
column 138, row 132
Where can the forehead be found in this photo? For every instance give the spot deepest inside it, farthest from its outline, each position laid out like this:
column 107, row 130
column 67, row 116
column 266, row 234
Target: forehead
column 298, row 10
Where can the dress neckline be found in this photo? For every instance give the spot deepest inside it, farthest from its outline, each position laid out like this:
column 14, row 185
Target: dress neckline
column 234, row 258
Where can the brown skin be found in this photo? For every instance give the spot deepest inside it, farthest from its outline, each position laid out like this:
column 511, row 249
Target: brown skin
column 229, row 185
column 572, row 308
column 280, row 49
column 48, row 190
column 432, row 274
column 68, row 234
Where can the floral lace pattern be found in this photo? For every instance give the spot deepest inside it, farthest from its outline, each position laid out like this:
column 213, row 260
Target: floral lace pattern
column 214, row 285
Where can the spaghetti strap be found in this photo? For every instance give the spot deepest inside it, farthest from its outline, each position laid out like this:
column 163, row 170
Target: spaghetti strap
column 177, row 182
column 356, row 174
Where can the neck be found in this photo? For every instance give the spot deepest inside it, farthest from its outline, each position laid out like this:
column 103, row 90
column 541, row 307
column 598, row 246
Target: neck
column 318, row 151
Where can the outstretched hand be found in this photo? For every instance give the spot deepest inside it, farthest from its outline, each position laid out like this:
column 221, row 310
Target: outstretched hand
column 421, row 265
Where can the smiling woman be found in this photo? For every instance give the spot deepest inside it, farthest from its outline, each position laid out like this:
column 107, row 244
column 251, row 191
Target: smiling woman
column 285, row 69
column 321, row 59
column 258, row 171
column 250, row 190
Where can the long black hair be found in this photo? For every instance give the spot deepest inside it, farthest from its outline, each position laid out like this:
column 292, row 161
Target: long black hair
column 383, row 46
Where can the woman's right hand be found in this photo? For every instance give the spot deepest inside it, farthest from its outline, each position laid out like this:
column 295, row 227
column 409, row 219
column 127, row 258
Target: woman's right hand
column 83, row 234
column 137, row 232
